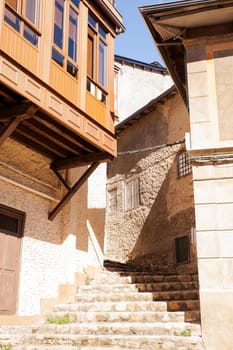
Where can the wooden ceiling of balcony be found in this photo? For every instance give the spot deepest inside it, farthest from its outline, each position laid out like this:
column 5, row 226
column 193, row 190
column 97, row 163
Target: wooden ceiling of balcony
column 34, row 128
column 27, row 123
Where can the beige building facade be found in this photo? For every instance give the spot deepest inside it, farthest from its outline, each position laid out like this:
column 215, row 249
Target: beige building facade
column 195, row 39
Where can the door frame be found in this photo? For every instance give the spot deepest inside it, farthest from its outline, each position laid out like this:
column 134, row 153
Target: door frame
column 19, row 232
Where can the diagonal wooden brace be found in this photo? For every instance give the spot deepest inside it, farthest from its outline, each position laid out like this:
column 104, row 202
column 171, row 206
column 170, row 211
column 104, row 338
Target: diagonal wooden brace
column 59, row 176
column 16, row 114
column 9, row 129
column 73, row 190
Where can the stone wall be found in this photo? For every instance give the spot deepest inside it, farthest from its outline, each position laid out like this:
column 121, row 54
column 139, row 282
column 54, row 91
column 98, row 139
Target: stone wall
column 146, row 234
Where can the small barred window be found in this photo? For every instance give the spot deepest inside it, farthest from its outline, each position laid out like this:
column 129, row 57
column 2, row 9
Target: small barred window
column 183, row 164
column 11, row 221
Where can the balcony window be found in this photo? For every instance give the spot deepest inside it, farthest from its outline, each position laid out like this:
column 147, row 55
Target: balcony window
column 24, row 17
column 65, row 35
column 97, row 52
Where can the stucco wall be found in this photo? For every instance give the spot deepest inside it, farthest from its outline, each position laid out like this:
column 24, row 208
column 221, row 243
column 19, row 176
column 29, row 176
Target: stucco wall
column 137, row 87
column 49, row 249
column 146, row 234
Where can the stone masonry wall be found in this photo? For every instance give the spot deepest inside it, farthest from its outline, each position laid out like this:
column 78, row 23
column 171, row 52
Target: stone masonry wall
column 146, row 234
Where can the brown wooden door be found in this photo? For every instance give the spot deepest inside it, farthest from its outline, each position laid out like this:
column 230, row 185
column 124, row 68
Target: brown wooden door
column 10, row 243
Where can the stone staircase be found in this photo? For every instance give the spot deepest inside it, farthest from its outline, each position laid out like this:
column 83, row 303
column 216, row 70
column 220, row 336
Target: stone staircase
column 109, row 313
column 179, row 287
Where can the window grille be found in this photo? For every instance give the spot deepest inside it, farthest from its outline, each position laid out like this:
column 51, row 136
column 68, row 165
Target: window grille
column 11, row 221
column 183, row 164
column 132, row 198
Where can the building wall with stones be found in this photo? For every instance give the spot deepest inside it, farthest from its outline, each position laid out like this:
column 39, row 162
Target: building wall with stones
column 51, row 251
column 146, row 233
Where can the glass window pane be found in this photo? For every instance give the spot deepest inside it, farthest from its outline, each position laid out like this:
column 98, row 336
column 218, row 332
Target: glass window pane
column 57, row 57
column 73, row 34
column 102, row 32
column 75, row 2
column 58, row 23
column 33, row 10
column 102, row 63
column 92, row 21
column 12, row 19
column 30, row 35
column 72, row 69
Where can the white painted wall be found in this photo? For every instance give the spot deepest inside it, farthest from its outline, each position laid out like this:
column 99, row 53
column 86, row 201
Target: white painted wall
column 137, row 87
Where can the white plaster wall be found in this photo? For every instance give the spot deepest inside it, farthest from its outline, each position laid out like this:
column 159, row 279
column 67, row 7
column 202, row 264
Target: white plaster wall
column 48, row 247
column 137, row 87
column 97, row 188
column 46, row 261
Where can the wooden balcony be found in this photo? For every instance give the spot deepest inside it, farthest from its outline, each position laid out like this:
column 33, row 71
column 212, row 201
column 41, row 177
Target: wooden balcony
column 66, row 120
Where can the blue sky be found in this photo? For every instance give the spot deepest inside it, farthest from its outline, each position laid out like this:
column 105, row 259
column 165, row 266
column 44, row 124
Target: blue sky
column 136, row 42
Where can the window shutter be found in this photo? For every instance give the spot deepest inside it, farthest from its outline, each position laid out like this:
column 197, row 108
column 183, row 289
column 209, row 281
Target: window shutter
column 132, row 194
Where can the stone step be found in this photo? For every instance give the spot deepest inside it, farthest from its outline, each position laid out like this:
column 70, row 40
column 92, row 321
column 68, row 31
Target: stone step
column 126, row 268
column 103, row 316
column 166, row 286
column 118, row 328
column 176, row 295
column 109, row 278
column 129, row 306
column 114, row 297
column 163, row 278
column 183, row 305
column 104, row 288
column 139, row 342
column 193, row 316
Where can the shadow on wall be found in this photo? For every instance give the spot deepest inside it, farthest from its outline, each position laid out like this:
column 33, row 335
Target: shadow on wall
column 89, row 223
column 165, row 222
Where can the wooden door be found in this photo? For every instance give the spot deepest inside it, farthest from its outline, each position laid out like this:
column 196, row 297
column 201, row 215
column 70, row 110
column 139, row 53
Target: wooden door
column 11, row 230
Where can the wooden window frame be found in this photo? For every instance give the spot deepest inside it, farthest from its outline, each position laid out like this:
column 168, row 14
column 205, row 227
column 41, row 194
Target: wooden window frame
column 68, row 63
column 14, row 214
column 132, row 193
column 97, row 34
column 30, row 30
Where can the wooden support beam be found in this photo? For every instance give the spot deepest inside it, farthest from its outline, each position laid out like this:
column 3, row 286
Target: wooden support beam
column 73, row 190
column 59, row 176
column 18, row 110
column 81, row 160
column 9, row 129
column 14, row 115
